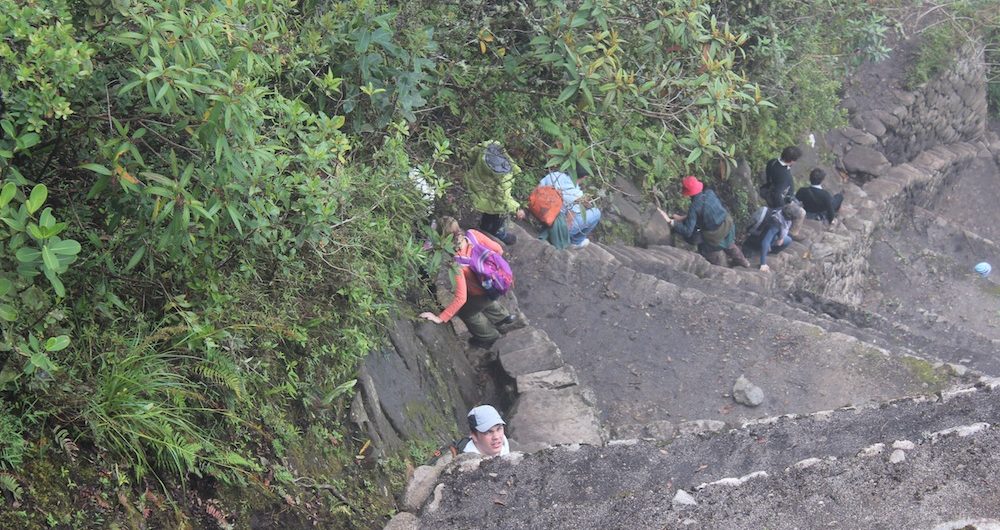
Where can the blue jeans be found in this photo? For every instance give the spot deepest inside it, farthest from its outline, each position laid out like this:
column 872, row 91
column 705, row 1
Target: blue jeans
column 583, row 224
column 769, row 244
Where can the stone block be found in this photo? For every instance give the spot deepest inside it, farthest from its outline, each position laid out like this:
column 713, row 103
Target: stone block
column 701, row 426
column 656, row 230
column 554, row 417
column 562, row 377
column 866, row 162
column 528, row 350
column 872, row 124
column 421, row 486
column 858, row 136
column 403, row 521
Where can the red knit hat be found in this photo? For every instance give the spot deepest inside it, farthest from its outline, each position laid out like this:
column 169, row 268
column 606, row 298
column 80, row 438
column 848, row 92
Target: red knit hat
column 691, row 186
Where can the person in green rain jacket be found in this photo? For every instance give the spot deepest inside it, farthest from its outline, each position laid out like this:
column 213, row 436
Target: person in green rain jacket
column 490, row 182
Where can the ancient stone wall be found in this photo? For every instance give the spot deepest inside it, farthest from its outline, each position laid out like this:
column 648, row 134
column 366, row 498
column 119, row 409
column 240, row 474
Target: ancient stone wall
column 946, row 110
column 896, row 157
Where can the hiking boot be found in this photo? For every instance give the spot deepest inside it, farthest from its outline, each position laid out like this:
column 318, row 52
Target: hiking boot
column 477, row 342
column 509, row 324
column 585, row 242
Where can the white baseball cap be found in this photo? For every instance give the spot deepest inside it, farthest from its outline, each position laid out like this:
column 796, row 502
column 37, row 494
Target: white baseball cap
column 484, row 418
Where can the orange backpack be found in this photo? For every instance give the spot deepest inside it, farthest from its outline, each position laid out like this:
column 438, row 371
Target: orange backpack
column 545, row 203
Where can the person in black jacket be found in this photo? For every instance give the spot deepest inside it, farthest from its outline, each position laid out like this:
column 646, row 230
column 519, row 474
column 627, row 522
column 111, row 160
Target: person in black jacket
column 778, row 190
column 819, row 203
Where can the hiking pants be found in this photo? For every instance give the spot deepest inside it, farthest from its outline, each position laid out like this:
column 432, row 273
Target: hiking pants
column 795, row 213
column 493, row 224
column 715, row 257
column 480, row 314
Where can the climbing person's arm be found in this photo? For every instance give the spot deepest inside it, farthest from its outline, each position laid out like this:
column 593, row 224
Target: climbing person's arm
column 685, row 224
column 461, row 295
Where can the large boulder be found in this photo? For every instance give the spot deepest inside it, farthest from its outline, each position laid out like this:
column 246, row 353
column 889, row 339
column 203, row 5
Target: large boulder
column 865, row 163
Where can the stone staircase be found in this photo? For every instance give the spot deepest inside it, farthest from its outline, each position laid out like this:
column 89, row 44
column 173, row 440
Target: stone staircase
column 624, row 409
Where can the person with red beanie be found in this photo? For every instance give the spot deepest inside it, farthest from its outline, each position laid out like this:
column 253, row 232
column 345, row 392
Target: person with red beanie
column 707, row 225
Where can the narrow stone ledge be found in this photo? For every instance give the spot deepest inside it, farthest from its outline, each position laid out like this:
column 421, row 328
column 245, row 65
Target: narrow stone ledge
column 562, row 377
column 554, row 417
column 528, row 350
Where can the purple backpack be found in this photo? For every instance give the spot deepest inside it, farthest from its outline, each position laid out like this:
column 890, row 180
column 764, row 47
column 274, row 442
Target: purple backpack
column 492, row 271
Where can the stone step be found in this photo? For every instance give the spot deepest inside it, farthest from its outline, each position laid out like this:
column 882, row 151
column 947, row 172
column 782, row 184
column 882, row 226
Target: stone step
column 936, row 341
column 753, row 288
column 650, row 350
column 907, row 463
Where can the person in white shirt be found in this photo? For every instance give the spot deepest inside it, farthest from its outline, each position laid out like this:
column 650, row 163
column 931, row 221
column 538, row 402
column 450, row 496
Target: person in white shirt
column 486, row 431
column 581, row 218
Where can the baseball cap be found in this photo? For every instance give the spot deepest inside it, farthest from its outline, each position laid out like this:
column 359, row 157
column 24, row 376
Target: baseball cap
column 484, row 418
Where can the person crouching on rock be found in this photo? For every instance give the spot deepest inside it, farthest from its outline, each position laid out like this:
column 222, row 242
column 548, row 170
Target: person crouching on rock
column 707, row 224
column 480, row 313
column 486, row 431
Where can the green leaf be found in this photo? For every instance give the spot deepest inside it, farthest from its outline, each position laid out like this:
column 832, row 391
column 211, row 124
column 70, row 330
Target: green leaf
column 49, row 258
column 695, row 154
column 37, row 198
column 235, row 216
column 42, row 361
column 27, row 141
column 65, row 247
column 56, row 283
column 8, row 313
column 8, row 192
column 136, row 256
column 27, row 255
column 97, row 168
column 567, row 92
column 57, row 343
column 47, row 220
column 35, row 231
column 5, row 286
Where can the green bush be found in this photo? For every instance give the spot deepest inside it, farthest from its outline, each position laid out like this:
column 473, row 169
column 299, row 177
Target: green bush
column 937, row 50
column 207, row 207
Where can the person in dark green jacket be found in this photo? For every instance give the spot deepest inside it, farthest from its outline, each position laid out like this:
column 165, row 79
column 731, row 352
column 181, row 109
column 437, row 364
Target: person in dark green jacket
column 490, row 182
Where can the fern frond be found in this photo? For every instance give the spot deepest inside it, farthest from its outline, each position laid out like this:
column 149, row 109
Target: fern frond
column 9, row 483
column 224, row 372
column 64, row 442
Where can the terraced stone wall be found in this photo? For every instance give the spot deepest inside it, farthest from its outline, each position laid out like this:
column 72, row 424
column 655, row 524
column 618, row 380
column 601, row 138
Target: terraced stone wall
column 897, row 158
column 946, row 110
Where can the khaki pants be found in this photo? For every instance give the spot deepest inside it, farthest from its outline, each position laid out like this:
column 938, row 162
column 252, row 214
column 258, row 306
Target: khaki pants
column 795, row 213
column 480, row 314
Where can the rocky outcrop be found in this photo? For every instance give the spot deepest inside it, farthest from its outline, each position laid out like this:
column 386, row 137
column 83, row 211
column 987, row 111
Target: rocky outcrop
column 908, row 463
column 417, row 389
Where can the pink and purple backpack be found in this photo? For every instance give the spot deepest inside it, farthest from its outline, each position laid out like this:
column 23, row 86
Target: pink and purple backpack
column 492, row 271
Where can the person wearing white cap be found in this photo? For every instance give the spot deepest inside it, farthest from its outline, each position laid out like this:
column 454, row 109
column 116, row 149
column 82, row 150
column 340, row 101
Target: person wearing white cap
column 486, row 430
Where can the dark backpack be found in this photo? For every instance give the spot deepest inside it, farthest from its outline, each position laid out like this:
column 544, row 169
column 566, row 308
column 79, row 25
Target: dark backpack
column 756, row 226
column 492, row 271
column 762, row 220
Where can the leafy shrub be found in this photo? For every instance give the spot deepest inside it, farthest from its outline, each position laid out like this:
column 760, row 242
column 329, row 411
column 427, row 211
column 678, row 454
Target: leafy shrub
column 935, row 53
